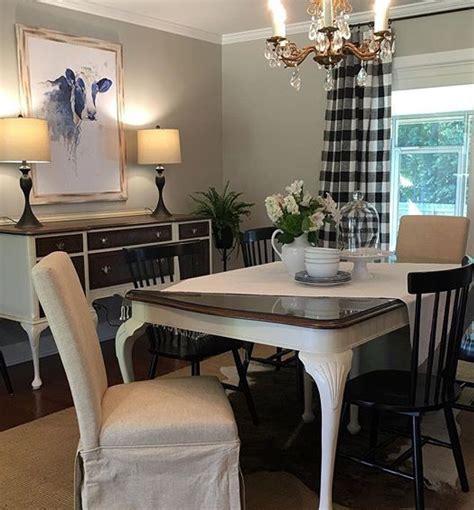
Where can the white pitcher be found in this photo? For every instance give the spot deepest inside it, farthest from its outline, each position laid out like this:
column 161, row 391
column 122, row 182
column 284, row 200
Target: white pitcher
column 292, row 254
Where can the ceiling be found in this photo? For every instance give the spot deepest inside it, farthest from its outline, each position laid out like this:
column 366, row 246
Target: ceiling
column 214, row 20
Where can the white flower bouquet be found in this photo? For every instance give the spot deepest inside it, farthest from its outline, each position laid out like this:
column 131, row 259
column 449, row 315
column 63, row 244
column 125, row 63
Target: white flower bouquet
column 300, row 213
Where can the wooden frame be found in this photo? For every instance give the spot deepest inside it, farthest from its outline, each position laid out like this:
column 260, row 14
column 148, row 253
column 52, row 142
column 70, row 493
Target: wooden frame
column 106, row 173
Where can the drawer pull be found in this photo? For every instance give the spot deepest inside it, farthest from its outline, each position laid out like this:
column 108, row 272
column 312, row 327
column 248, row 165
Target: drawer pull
column 104, row 240
column 194, row 230
column 158, row 235
column 106, row 269
column 60, row 245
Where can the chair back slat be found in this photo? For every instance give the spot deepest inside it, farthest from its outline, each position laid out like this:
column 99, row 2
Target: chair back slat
column 155, row 264
column 450, row 287
column 256, row 247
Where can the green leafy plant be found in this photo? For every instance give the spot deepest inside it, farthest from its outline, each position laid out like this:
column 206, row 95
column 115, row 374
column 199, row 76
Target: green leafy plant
column 225, row 210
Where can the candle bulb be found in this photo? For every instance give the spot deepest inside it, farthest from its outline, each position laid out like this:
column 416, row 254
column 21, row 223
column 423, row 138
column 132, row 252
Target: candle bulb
column 381, row 15
column 328, row 13
column 278, row 18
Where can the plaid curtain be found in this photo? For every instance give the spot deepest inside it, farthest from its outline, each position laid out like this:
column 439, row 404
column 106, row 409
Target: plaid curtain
column 356, row 152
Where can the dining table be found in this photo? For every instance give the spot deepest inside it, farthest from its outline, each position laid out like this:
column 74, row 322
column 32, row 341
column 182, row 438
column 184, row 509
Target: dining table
column 265, row 305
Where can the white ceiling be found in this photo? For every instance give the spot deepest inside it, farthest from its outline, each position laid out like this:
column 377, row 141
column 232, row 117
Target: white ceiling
column 214, row 20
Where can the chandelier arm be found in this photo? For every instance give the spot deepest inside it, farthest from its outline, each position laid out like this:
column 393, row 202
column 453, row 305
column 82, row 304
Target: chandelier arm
column 298, row 56
column 361, row 54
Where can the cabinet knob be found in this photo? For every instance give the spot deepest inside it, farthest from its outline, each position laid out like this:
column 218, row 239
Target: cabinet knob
column 104, row 240
column 106, row 269
column 194, row 230
column 158, row 235
column 60, row 245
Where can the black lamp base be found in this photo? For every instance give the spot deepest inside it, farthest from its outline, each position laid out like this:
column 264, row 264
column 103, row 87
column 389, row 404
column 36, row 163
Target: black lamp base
column 28, row 219
column 161, row 210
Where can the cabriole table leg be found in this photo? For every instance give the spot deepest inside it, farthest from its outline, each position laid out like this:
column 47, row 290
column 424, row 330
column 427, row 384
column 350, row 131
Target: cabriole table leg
column 126, row 336
column 330, row 374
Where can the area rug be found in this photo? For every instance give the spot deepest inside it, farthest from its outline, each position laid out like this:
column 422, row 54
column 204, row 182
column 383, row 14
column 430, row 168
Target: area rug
column 280, row 457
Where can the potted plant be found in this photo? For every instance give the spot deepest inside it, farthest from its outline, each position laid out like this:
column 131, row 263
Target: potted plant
column 225, row 210
column 298, row 217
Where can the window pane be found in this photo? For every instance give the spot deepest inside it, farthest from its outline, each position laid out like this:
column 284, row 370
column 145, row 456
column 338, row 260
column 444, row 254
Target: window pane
column 431, row 133
column 428, row 183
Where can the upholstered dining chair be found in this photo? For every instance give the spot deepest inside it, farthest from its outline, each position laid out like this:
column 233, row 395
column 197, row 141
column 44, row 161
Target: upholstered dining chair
column 432, row 239
column 429, row 385
column 165, row 443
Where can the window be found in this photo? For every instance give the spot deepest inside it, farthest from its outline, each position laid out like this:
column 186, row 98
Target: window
column 430, row 157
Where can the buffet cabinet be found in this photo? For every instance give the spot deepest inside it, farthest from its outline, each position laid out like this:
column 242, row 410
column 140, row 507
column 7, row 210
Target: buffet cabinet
column 96, row 250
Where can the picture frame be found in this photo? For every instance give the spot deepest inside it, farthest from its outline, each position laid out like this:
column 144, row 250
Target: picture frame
column 76, row 83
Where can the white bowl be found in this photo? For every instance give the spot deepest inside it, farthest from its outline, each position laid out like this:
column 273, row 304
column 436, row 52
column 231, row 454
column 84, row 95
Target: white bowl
column 322, row 251
column 322, row 258
column 322, row 269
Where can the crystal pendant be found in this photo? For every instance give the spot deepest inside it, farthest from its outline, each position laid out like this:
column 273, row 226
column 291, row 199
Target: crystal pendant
column 385, row 51
column 272, row 63
column 337, row 41
column 295, row 80
column 287, row 51
column 329, row 81
column 362, row 77
column 322, row 43
column 313, row 30
column 268, row 53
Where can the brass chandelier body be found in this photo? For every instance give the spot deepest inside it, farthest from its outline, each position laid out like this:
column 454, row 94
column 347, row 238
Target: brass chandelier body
column 330, row 43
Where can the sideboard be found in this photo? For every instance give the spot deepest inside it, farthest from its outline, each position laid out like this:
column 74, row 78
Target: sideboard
column 96, row 249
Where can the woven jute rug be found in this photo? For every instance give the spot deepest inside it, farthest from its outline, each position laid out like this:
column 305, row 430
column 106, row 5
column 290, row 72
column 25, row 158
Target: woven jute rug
column 36, row 459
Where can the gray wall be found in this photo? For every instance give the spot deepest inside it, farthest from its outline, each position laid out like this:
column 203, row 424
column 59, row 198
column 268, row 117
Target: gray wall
column 272, row 134
column 168, row 79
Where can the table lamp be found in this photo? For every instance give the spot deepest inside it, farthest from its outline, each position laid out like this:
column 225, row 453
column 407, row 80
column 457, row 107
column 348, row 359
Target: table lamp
column 24, row 140
column 156, row 147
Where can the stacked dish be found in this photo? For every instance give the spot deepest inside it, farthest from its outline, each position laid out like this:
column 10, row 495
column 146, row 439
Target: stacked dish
column 322, row 262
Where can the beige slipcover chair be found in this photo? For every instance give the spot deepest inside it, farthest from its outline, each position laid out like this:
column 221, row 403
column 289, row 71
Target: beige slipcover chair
column 163, row 444
column 432, row 239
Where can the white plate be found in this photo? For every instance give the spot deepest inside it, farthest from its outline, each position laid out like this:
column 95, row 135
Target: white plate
column 341, row 278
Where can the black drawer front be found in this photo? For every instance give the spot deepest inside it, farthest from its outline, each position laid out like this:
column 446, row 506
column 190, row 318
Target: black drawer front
column 192, row 230
column 128, row 237
column 69, row 244
column 108, row 269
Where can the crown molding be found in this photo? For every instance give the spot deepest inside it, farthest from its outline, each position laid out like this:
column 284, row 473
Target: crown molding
column 134, row 18
column 401, row 11
column 89, row 7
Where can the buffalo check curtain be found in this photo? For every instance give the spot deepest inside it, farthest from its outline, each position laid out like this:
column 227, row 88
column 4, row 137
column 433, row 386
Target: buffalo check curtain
column 357, row 140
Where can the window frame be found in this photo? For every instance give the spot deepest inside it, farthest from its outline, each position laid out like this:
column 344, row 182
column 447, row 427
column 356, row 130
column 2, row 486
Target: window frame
column 463, row 151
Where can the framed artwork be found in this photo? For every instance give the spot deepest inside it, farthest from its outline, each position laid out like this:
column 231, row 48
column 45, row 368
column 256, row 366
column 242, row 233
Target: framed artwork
column 76, row 83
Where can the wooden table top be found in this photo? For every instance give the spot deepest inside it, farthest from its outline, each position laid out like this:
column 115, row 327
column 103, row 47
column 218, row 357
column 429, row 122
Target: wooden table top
column 309, row 312
column 58, row 227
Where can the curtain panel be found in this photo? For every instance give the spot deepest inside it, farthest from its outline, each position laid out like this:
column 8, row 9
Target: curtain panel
column 357, row 140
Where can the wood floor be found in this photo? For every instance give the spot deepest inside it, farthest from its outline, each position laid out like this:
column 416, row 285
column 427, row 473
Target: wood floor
column 27, row 404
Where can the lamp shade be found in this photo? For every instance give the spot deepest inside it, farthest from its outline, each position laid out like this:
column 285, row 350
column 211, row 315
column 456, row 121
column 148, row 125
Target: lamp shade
column 24, row 139
column 158, row 146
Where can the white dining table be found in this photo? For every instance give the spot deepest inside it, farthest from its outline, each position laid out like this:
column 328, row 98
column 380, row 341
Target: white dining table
column 264, row 305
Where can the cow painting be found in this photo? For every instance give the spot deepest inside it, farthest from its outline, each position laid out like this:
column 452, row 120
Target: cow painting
column 70, row 100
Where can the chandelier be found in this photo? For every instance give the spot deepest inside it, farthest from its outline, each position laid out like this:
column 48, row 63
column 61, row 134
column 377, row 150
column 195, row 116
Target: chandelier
column 330, row 34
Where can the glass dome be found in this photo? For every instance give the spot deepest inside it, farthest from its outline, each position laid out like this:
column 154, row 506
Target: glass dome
column 360, row 224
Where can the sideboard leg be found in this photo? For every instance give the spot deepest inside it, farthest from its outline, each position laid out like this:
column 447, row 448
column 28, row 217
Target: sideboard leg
column 330, row 374
column 34, row 332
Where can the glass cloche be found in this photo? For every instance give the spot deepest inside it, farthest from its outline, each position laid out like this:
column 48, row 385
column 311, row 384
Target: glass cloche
column 360, row 224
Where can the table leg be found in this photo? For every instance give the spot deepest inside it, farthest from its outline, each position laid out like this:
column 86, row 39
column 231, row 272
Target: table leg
column 126, row 336
column 330, row 374
column 34, row 332
column 308, row 415
column 354, row 426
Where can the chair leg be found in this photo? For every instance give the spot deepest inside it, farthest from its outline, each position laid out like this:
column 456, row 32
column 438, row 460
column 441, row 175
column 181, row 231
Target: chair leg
column 153, row 366
column 456, row 446
column 244, row 386
column 278, row 350
column 6, row 377
column 418, row 463
column 248, row 349
column 195, row 368
column 374, row 427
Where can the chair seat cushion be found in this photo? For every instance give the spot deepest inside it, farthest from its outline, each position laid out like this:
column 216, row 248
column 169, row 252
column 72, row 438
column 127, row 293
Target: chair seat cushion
column 390, row 390
column 172, row 411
